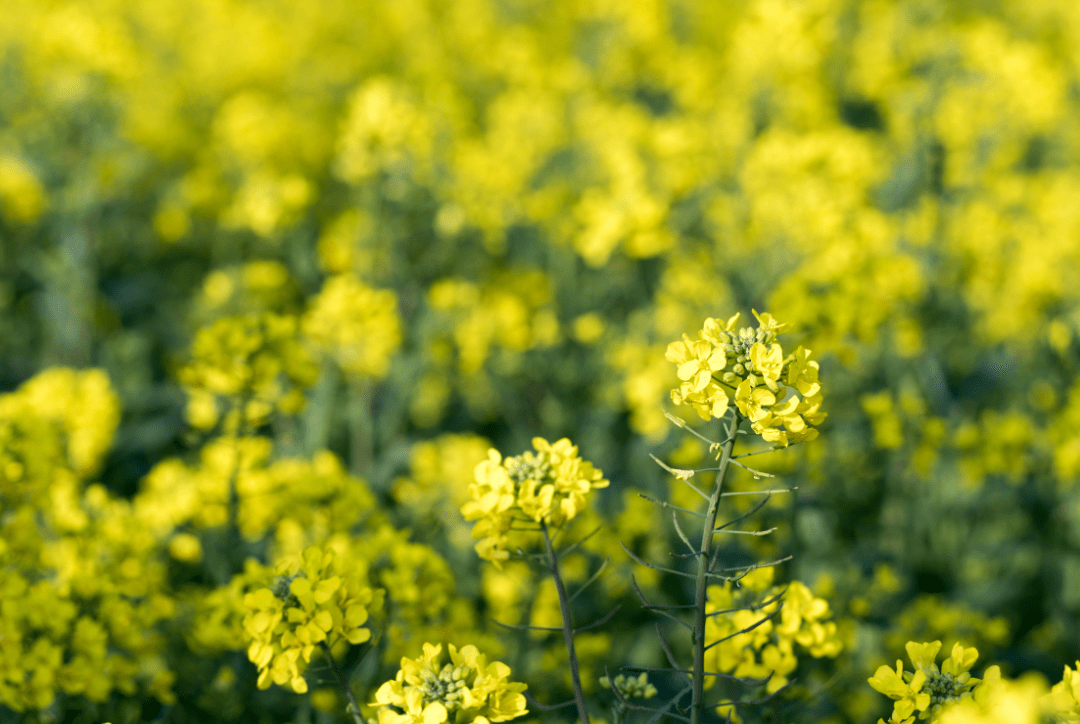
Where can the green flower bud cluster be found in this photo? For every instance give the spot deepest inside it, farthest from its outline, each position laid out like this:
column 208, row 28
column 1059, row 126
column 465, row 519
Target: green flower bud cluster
column 631, row 687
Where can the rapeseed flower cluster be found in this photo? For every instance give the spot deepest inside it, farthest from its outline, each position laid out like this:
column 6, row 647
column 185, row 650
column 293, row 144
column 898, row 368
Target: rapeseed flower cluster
column 83, row 591
column 356, row 325
column 1064, row 697
column 1001, row 701
column 498, row 320
column 467, row 690
column 544, row 195
column 768, row 649
column 317, row 493
column 245, row 368
column 545, row 487
column 765, row 383
column 926, row 691
column 54, row 432
column 312, row 602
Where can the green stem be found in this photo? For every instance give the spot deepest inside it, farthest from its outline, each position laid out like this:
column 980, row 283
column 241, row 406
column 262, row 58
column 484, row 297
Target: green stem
column 697, row 704
column 567, row 626
column 233, row 560
column 354, row 706
column 360, row 427
column 318, row 415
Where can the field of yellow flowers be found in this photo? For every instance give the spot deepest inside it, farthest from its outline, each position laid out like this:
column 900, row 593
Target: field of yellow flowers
column 612, row 361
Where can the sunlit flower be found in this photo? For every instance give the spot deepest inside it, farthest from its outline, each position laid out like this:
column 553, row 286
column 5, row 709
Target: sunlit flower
column 467, row 689
column 780, row 395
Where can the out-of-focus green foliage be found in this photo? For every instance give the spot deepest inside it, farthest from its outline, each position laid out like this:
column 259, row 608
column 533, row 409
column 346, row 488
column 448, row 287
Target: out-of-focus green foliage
column 276, row 275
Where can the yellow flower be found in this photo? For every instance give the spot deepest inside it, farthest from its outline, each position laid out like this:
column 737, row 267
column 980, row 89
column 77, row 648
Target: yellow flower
column 767, row 323
column 718, row 334
column 768, row 649
column 468, row 689
column 1064, row 696
column 767, row 384
column 549, row 486
column 697, row 362
column 928, row 689
column 922, row 655
column 308, row 604
column 754, row 402
column 908, row 694
column 768, row 362
column 257, row 359
column 356, row 325
column 802, row 373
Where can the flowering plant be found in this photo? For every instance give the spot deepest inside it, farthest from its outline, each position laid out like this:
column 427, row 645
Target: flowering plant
column 765, row 382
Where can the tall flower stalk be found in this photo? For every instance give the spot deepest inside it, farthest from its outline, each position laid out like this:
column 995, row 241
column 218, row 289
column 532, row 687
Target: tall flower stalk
column 535, row 492
column 741, row 376
column 567, row 626
column 704, row 558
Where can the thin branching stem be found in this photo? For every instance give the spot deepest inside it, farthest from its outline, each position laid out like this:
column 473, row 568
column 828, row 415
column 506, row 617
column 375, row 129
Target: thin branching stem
column 525, row 627
column 752, row 471
column 748, row 532
column 547, row 707
column 760, row 492
column 574, row 546
column 665, row 504
column 567, row 626
column 640, row 561
column 591, row 580
column 697, row 702
column 599, row 621
column 757, row 452
column 354, row 706
column 670, row 655
column 685, row 539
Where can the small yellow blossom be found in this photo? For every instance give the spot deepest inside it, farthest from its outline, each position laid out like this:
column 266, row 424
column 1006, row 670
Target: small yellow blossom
column 254, row 359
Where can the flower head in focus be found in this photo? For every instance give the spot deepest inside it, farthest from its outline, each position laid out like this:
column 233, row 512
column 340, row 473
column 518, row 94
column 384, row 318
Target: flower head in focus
column 548, row 486
column 928, row 689
column 465, row 690
column 778, row 393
